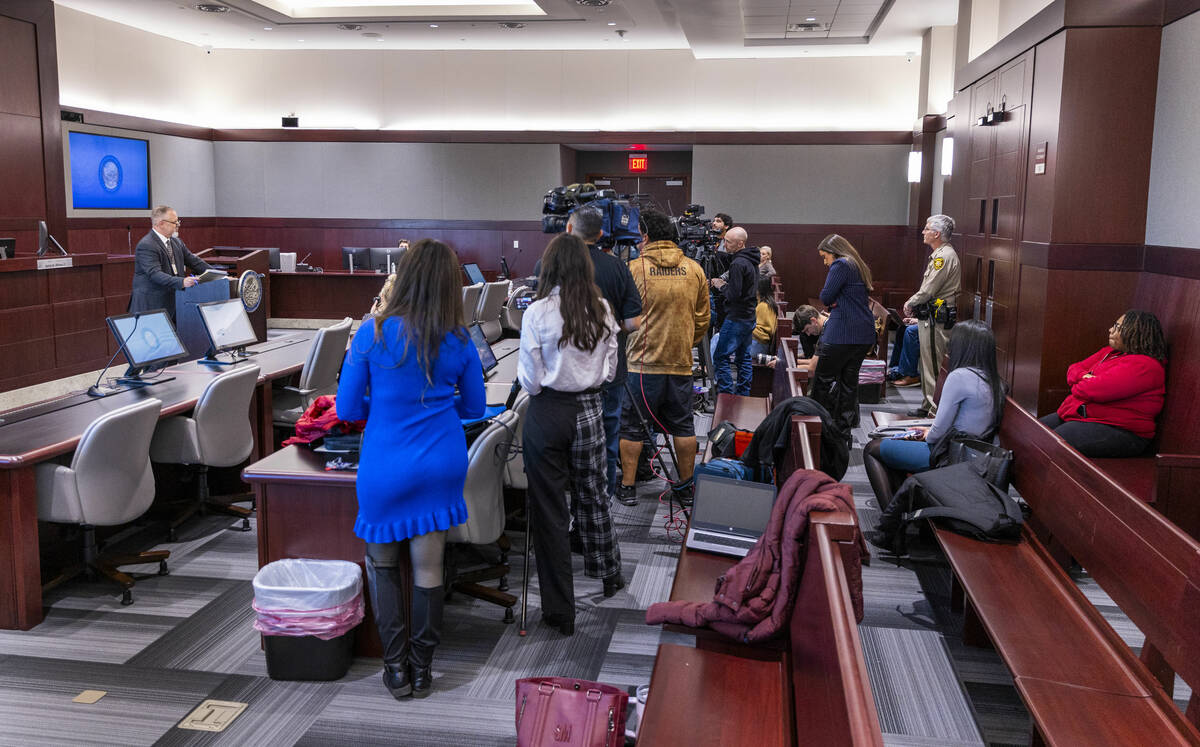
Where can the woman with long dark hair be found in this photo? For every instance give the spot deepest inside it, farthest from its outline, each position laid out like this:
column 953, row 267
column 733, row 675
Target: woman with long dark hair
column 400, row 375
column 972, row 402
column 1117, row 392
column 568, row 352
column 848, row 335
column 766, row 318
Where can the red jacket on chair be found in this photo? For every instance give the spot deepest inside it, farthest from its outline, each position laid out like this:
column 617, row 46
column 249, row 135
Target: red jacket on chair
column 1125, row 390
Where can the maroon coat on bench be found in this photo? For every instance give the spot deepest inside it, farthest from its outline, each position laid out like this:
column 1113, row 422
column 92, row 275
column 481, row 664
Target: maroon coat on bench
column 754, row 599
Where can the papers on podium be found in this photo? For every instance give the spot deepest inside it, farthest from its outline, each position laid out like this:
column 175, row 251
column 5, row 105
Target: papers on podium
column 211, row 274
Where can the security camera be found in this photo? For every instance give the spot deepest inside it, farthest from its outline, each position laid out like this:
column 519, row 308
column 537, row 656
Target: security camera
column 208, row 49
column 908, row 56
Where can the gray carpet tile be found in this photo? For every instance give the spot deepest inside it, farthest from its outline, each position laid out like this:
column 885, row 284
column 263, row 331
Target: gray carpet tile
column 916, row 692
column 141, row 703
column 374, row 718
column 101, row 635
column 169, row 596
column 218, row 638
column 278, row 712
column 655, row 572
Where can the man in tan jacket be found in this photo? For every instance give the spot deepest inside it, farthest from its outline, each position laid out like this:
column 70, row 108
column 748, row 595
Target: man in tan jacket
column 934, row 307
column 675, row 314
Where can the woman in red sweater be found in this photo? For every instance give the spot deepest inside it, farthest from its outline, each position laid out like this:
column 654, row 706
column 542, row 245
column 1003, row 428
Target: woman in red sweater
column 1116, row 393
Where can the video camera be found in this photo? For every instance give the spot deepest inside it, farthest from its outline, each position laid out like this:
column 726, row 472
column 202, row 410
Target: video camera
column 699, row 241
column 621, row 214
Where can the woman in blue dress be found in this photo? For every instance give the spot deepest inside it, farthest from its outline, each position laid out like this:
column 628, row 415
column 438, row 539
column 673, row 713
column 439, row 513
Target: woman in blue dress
column 400, row 376
column 972, row 402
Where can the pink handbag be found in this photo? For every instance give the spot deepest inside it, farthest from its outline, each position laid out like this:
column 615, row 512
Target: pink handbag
column 562, row 712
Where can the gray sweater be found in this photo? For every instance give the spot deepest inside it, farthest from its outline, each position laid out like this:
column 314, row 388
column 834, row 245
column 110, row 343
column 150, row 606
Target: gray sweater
column 966, row 405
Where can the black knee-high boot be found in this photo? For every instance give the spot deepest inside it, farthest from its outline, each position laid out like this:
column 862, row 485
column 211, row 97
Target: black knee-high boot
column 427, row 633
column 882, row 477
column 388, row 602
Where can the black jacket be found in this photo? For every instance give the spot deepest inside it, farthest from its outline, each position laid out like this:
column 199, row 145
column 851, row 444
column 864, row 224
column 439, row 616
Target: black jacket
column 771, row 438
column 741, row 289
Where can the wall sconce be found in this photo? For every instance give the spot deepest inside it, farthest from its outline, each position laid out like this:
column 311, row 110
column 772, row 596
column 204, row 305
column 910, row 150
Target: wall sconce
column 914, row 167
column 947, row 156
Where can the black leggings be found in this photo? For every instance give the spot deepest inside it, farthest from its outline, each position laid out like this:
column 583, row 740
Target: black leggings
column 835, row 382
column 1096, row 439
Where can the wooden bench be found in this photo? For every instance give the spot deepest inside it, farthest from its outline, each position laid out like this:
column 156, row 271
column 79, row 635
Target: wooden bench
column 1080, row 682
column 809, row 686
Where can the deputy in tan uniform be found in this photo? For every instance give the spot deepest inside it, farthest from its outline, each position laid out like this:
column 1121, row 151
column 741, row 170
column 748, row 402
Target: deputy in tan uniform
column 933, row 305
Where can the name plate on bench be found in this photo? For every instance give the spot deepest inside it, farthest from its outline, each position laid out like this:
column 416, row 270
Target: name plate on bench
column 55, row 262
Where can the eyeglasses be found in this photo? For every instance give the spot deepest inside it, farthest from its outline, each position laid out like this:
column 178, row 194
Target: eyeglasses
column 176, row 223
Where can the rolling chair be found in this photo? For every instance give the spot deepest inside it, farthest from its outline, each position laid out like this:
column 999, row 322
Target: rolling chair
column 109, row 482
column 491, row 302
column 471, row 294
column 319, row 375
column 217, row 434
column 484, row 495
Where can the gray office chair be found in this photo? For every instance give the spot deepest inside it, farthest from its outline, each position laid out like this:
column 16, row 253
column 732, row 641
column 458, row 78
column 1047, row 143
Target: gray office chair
column 319, row 375
column 484, row 495
column 109, row 482
column 491, row 302
column 514, row 469
column 218, row 434
column 471, row 294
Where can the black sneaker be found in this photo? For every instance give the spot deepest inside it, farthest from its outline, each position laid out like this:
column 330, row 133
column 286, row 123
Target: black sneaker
column 627, row 495
column 684, row 496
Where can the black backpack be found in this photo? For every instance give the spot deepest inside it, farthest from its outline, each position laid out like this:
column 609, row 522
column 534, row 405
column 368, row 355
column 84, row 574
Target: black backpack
column 960, row 499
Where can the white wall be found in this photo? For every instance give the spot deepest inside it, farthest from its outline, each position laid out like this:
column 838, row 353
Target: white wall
column 941, row 69
column 992, row 20
column 857, row 184
column 181, row 172
column 1173, row 218
column 110, row 67
column 443, row 181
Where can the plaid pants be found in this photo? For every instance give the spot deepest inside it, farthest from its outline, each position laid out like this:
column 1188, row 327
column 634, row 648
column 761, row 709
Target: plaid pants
column 564, row 447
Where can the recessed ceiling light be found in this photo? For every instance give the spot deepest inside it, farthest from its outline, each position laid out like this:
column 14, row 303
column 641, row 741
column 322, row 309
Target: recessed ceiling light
column 299, row 40
column 433, row 25
column 612, row 23
column 266, row 28
column 810, row 19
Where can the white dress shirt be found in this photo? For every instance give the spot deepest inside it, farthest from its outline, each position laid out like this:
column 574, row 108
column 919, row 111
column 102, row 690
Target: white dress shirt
column 166, row 242
column 542, row 363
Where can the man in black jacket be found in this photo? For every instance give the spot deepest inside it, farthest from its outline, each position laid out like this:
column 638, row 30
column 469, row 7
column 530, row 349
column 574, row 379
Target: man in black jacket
column 162, row 264
column 741, row 297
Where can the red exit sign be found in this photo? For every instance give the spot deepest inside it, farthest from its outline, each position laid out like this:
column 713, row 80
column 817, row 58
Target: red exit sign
column 638, row 163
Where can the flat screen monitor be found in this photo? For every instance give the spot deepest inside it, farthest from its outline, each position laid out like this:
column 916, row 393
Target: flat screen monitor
column 385, row 258
column 108, row 172
column 8, row 247
column 356, row 258
column 227, row 325
column 272, row 252
column 148, row 340
column 474, row 274
column 45, row 240
column 486, row 356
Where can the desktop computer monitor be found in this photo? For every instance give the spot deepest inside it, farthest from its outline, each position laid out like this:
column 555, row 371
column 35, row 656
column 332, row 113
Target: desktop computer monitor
column 486, row 356
column 474, row 274
column 385, row 258
column 356, row 258
column 8, row 248
column 228, row 327
column 272, row 252
column 148, row 340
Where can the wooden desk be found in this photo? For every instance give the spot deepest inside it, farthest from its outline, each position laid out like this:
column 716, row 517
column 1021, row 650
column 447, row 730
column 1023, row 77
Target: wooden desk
column 323, row 295
column 306, row 512
column 25, row 443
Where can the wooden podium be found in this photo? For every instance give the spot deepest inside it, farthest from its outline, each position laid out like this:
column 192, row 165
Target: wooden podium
column 237, row 261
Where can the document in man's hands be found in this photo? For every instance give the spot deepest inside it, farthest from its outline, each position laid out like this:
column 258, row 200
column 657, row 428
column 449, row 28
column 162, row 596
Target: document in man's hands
column 212, row 274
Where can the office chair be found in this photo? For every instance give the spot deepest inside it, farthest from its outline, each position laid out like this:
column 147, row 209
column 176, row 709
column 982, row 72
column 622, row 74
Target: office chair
column 217, row 434
column 319, row 375
column 514, row 469
column 484, row 495
column 491, row 302
column 471, row 294
column 109, row 482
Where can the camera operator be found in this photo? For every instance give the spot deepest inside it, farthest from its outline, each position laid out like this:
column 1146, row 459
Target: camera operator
column 740, row 293
column 719, row 264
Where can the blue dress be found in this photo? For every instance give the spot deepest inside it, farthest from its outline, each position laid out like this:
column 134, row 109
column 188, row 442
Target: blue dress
column 414, row 454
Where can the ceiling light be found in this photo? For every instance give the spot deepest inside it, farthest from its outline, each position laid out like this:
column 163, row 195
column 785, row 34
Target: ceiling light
column 433, row 25
column 266, row 28
column 612, row 23
column 299, row 40
column 350, row 26
column 810, row 19
column 210, row 8
column 372, row 34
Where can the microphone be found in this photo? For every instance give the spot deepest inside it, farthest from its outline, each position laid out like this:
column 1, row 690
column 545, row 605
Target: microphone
column 129, row 238
column 306, row 256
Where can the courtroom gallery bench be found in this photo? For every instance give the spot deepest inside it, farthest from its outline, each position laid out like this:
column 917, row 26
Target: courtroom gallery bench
column 1080, row 682
column 810, row 687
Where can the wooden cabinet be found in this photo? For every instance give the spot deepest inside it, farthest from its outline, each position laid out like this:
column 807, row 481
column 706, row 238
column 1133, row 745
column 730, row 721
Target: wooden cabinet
column 992, row 211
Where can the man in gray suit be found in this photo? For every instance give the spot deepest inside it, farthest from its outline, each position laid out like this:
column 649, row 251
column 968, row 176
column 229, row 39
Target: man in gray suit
column 161, row 264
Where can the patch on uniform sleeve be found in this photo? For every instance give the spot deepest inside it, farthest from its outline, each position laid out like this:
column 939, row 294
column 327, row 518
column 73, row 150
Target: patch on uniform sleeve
column 938, row 263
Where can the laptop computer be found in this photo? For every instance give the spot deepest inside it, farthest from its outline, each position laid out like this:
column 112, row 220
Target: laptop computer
column 728, row 516
column 486, row 356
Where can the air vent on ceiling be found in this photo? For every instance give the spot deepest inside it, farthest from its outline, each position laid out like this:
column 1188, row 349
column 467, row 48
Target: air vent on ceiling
column 210, row 8
column 593, row 3
column 350, row 26
column 807, row 26
column 512, row 25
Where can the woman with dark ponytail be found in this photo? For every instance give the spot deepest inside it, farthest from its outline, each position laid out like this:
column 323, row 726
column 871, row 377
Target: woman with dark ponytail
column 568, row 352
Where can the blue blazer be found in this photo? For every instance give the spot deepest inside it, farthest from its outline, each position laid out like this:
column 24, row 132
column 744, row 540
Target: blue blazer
column 154, row 284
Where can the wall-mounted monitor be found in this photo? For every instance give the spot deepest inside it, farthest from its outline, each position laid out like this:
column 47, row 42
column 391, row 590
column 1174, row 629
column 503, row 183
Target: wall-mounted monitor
column 109, row 172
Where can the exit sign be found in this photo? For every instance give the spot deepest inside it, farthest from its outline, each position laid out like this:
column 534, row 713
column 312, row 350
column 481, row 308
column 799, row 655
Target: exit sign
column 638, row 163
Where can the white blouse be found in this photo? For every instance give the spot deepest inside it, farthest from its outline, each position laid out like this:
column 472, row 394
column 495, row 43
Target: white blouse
column 542, row 363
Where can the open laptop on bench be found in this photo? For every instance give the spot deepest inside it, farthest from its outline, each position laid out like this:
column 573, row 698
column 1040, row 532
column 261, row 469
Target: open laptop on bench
column 728, row 516
column 486, row 356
